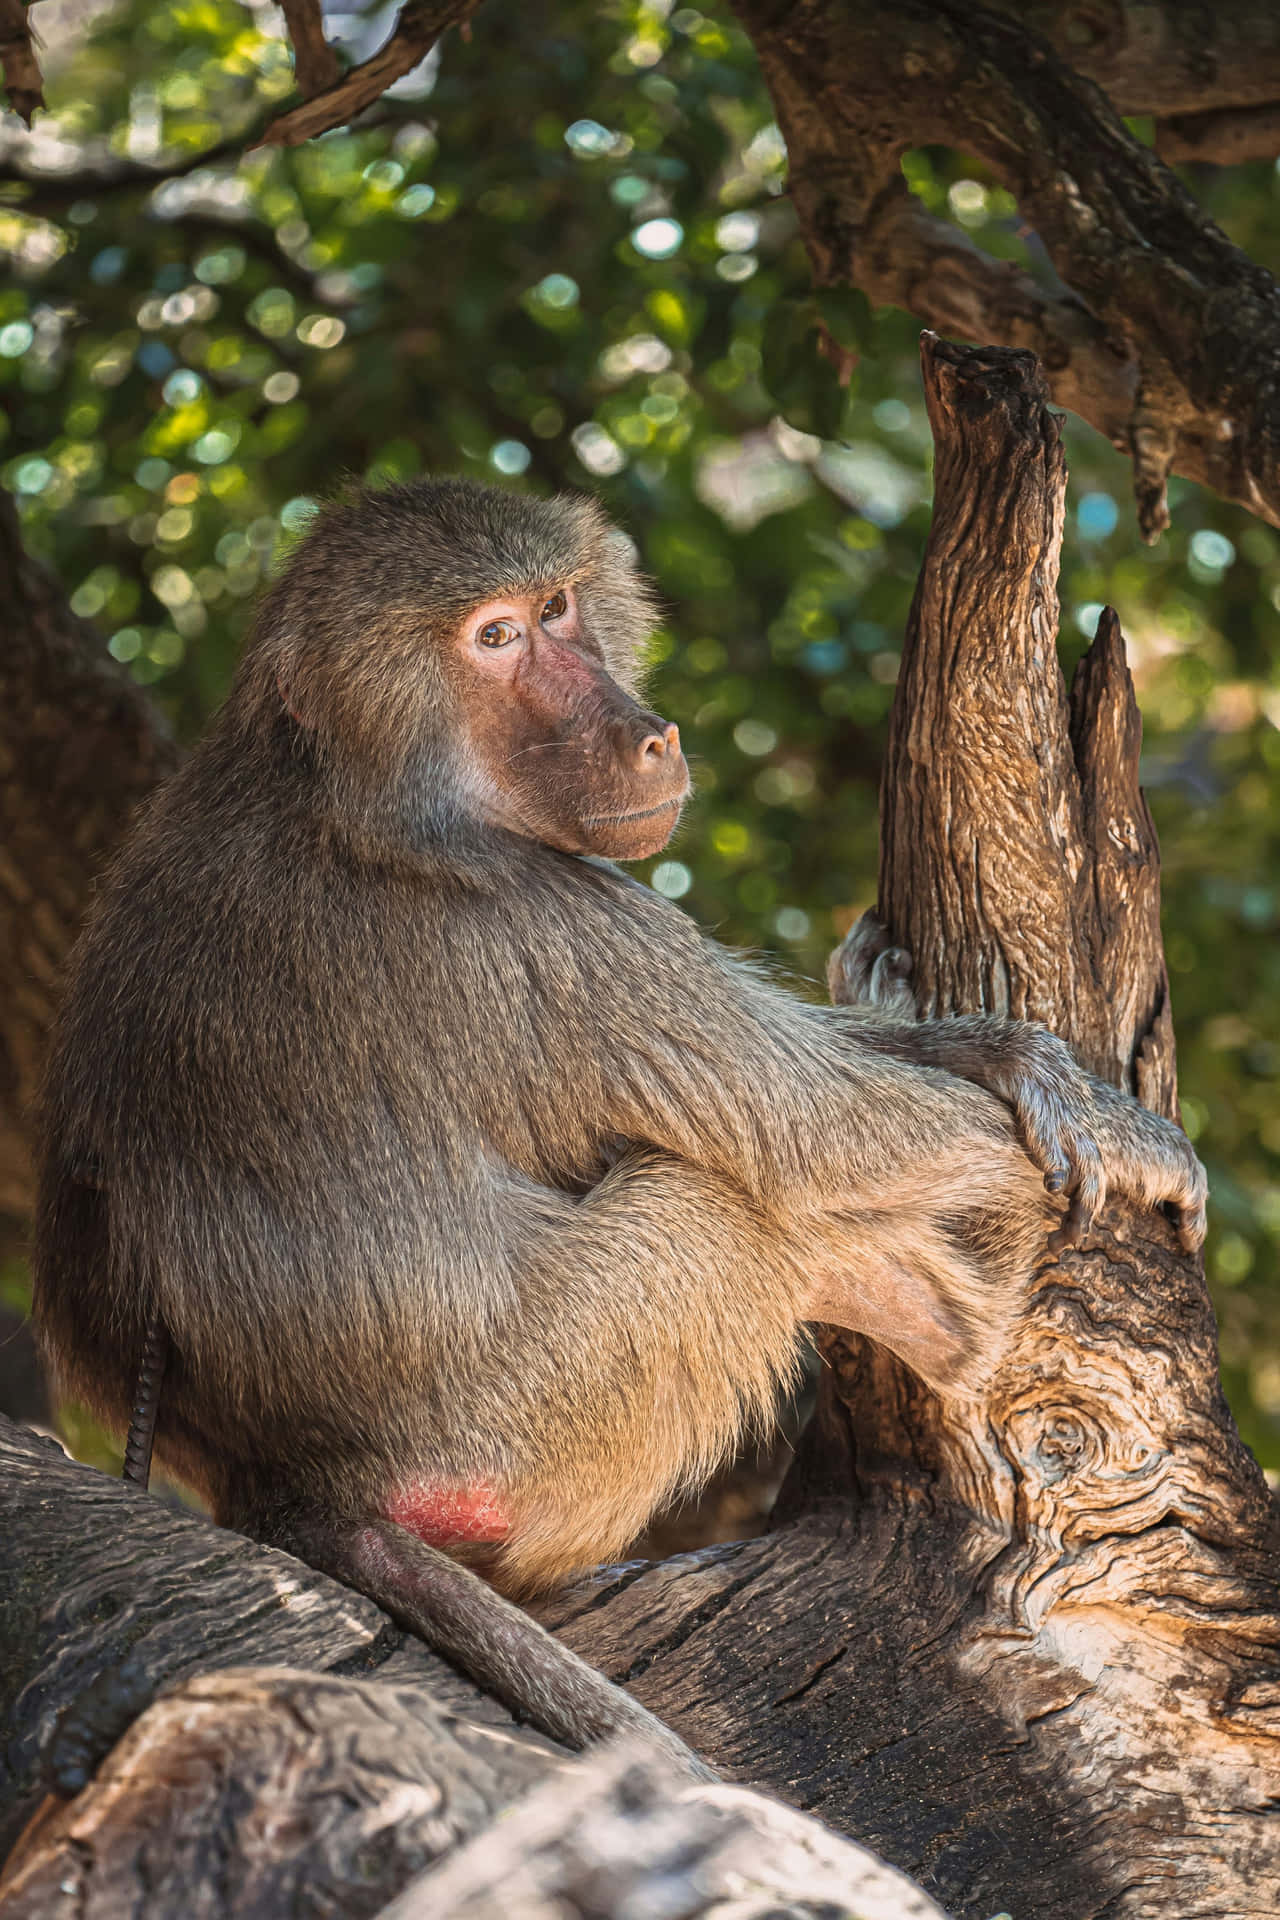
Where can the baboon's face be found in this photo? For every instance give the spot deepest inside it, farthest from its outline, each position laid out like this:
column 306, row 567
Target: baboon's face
column 562, row 752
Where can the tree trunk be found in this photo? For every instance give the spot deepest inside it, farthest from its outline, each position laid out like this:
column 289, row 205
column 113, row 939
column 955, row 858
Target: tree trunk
column 80, row 745
column 1027, row 1649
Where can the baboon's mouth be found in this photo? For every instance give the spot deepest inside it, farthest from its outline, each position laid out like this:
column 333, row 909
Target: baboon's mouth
column 626, row 819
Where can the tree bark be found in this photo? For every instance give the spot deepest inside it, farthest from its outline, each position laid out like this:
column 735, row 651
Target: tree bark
column 200, row 1727
column 1164, row 56
column 1163, row 334
column 1029, row 1648
column 80, row 746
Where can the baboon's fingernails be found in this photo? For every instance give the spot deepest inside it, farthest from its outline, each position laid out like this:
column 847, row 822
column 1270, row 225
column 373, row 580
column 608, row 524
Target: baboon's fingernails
column 1056, row 1177
column 1070, row 1230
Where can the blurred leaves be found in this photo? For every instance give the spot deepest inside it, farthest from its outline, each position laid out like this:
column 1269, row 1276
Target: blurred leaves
column 562, row 256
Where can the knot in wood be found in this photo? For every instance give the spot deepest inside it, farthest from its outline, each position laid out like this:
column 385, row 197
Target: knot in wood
column 1053, row 1443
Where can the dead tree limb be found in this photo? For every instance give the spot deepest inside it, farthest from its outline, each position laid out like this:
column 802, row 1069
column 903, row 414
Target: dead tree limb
column 198, row 1726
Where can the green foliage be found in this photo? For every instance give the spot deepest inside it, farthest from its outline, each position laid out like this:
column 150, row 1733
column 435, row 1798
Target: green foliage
column 567, row 260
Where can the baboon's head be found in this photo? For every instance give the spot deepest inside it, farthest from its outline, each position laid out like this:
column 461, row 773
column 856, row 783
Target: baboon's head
column 483, row 641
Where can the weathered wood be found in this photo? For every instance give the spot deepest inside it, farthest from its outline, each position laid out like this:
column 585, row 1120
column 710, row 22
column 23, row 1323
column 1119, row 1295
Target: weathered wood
column 260, row 1792
column 243, row 1792
column 624, row 1839
column 1028, row 1649
column 108, row 1595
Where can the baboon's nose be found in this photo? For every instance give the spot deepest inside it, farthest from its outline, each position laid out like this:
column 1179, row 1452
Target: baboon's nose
column 656, row 751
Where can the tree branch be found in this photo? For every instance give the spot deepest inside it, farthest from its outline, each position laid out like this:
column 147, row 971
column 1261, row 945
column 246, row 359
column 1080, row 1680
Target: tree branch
column 18, row 59
column 1227, row 137
column 910, row 258
column 1161, row 287
column 1164, row 56
column 315, row 63
column 419, row 26
column 182, row 1714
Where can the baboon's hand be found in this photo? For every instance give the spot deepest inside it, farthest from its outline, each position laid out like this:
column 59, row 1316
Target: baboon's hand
column 867, row 970
column 1086, row 1137
column 1151, row 1161
column 1035, row 1074
column 1026, row 1066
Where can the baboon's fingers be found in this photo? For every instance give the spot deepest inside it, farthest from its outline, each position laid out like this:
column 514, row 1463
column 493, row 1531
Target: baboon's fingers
column 1069, row 1160
column 1189, row 1212
column 1086, row 1187
column 891, row 988
column 851, row 966
column 1070, row 1229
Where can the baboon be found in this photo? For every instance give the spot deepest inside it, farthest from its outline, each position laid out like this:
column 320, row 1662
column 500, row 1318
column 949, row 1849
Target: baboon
column 481, row 1198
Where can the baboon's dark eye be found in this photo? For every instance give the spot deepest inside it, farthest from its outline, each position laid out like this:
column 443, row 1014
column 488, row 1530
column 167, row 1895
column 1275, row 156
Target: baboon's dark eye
column 497, row 633
column 555, row 606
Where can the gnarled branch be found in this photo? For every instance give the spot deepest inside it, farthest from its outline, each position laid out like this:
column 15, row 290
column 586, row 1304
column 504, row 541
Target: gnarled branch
column 1160, row 285
column 419, row 26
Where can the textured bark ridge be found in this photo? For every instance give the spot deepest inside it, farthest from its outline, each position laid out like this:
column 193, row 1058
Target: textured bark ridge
column 1028, row 1649
column 80, row 745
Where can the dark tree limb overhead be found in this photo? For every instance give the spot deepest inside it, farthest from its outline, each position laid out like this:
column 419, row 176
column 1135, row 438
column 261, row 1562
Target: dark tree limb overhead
column 1169, row 301
column 1164, row 56
column 1227, row 138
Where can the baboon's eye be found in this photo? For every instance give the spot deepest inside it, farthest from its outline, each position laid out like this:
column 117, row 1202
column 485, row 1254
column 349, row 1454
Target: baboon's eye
column 498, row 633
column 555, row 606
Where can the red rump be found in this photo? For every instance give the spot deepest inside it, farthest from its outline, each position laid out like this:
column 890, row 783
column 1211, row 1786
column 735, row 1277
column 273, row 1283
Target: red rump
column 450, row 1516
